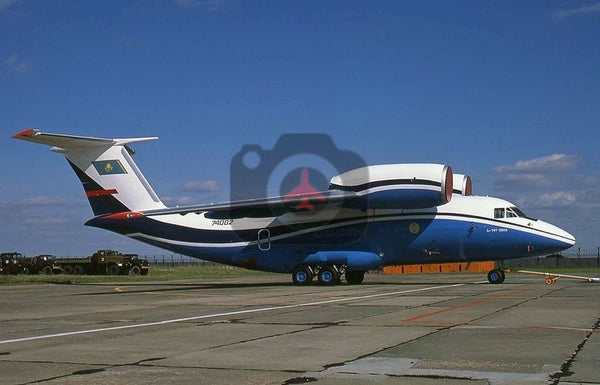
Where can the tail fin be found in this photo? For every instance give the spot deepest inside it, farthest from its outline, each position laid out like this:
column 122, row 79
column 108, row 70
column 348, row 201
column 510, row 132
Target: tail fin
column 112, row 181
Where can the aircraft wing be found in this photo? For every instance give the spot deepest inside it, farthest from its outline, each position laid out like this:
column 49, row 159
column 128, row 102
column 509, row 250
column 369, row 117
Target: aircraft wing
column 333, row 199
column 552, row 277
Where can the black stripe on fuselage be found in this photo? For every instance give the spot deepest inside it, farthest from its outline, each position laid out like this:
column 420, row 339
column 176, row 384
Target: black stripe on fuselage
column 388, row 182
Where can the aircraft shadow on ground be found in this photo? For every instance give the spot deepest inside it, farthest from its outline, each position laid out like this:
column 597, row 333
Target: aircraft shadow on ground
column 183, row 287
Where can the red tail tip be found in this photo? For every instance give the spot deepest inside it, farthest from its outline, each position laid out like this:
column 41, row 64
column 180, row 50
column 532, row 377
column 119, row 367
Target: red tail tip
column 26, row 132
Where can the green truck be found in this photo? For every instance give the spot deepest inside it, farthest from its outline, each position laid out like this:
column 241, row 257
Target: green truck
column 12, row 263
column 109, row 262
column 43, row 263
column 16, row 263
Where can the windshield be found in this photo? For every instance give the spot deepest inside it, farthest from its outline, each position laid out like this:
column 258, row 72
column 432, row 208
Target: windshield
column 510, row 212
column 518, row 213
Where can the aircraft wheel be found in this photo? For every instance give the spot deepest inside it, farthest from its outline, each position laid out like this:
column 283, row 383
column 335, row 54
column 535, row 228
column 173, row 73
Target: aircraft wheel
column 302, row 275
column 355, row 277
column 496, row 276
column 329, row 276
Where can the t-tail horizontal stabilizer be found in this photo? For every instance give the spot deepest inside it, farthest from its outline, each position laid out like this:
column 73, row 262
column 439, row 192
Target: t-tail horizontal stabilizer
column 112, row 181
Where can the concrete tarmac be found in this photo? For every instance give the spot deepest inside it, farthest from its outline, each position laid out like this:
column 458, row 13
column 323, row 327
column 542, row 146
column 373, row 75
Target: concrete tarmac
column 393, row 329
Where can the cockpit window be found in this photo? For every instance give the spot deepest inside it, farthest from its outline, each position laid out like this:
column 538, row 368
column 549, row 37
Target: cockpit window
column 519, row 213
column 510, row 213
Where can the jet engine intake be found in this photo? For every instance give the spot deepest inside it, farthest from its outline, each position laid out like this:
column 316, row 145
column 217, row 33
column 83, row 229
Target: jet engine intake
column 462, row 185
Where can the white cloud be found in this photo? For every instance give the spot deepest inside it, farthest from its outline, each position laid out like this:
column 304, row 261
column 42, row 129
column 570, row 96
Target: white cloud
column 38, row 201
column 583, row 10
column 545, row 172
column 171, row 201
column 17, row 65
column 544, row 164
column 45, row 201
column 202, row 186
column 557, row 199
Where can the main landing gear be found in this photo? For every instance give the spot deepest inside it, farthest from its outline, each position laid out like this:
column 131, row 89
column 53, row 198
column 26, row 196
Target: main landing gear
column 496, row 276
column 326, row 275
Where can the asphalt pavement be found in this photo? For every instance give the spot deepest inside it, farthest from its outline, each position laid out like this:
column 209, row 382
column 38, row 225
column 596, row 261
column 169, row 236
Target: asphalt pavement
column 392, row 329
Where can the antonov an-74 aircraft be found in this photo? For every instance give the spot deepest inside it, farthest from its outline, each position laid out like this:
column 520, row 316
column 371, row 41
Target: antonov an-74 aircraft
column 369, row 217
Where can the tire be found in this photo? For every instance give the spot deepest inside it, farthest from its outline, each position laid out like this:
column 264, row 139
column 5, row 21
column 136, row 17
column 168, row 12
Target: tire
column 67, row 269
column 496, row 276
column 135, row 270
column 355, row 277
column 78, row 270
column 329, row 276
column 302, row 275
column 48, row 270
column 144, row 272
column 112, row 269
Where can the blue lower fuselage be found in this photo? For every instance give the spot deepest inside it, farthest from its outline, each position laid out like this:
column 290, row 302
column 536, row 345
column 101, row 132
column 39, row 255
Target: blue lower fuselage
column 397, row 239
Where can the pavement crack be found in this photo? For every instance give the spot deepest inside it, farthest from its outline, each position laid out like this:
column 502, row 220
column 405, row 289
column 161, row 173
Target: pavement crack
column 85, row 372
column 565, row 369
column 314, row 327
column 82, row 372
column 299, row 380
column 517, row 304
column 432, row 377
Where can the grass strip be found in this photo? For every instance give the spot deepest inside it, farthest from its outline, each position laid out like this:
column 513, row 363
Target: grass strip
column 155, row 274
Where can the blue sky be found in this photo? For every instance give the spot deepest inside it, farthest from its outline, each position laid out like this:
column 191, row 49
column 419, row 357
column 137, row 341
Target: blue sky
column 507, row 92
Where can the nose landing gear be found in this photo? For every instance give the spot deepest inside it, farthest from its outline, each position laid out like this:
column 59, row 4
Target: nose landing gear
column 496, row 276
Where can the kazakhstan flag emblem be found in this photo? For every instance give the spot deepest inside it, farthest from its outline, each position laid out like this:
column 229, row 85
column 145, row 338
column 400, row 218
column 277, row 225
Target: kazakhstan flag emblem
column 109, row 167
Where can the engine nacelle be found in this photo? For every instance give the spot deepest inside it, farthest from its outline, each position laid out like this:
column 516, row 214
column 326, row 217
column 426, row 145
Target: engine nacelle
column 353, row 260
column 398, row 186
column 463, row 185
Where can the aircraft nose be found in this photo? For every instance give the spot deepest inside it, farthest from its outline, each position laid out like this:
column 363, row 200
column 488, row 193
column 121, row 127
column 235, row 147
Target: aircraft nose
column 558, row 234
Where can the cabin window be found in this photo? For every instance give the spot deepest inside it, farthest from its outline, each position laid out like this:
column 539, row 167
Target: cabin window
column 510, row 213
column 499, row 213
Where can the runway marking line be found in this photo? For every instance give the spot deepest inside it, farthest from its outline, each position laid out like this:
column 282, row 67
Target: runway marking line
column 226, row 314
column 417, row 318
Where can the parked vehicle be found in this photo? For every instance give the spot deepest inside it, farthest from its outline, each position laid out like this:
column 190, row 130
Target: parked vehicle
column 139, row 266
column 43, row 263
column 109, row 262
column 12, row 263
